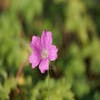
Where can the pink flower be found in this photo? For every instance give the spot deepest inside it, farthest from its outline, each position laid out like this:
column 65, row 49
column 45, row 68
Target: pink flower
column 43, row 51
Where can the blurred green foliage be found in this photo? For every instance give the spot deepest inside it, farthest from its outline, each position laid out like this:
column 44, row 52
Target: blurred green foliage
column 75, row 25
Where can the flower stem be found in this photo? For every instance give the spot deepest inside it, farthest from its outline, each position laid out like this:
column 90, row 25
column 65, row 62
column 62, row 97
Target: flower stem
column 48, row 77
column 20, row 70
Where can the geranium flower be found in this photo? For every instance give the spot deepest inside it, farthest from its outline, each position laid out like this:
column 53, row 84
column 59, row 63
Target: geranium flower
column 43, row 51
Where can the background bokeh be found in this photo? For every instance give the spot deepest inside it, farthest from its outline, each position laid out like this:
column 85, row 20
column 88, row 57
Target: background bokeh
column 75, row 25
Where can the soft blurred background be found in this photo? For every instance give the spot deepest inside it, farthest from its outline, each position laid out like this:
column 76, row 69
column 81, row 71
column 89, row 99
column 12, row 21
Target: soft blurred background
column 75, row 25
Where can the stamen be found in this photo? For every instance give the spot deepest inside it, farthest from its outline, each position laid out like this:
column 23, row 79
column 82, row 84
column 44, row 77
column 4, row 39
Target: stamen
column 44, row 54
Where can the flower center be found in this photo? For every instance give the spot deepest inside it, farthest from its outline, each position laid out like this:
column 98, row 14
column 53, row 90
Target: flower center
column 44, row 54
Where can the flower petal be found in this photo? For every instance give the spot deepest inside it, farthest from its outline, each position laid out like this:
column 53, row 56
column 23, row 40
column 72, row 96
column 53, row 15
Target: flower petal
column 35, row 44
column 46, row 39
column 34, row 59
column 53, row 53
column 44, row 65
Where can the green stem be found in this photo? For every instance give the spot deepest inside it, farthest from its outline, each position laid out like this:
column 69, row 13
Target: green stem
column 48, row 83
